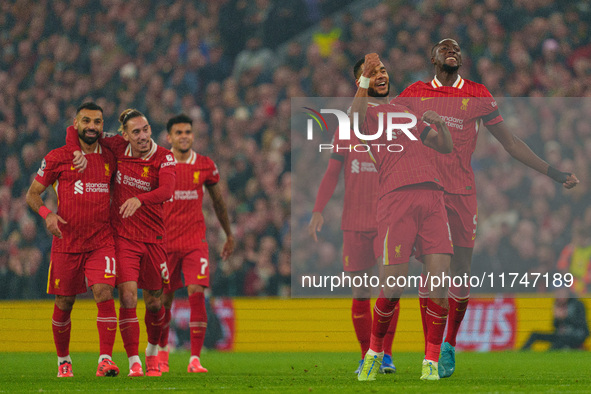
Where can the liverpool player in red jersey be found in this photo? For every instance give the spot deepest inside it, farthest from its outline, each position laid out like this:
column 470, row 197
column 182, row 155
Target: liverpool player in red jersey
column 186, row 244
column 410, row 211
column 361, row 247
column 464, row 104
column 144, row 180
column 83, row 249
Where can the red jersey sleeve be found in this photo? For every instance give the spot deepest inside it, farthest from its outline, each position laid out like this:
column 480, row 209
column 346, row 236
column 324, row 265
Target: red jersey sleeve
column 328, row 184
column 48, row 172
column 213, row 175
column 488, row 109
column 72, row 142
column 166, row 182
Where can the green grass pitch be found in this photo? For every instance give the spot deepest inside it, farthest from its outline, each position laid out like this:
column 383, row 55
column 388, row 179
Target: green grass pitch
column 305, row 372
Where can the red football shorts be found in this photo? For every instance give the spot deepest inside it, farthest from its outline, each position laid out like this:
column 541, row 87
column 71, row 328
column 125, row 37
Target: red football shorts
column 413, row 216
column 462, row 213
column 142, row 262
column 194, row 266
column 70, row 273
column 360, row 250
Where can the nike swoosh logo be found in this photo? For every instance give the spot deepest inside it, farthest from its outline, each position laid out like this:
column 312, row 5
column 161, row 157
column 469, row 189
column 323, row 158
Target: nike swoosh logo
column 156, row 324
column 196, row 332
column 166, row 282
column 385, row 321
column 426, row 98
column 460, row 310
column 61, row 332
column 423, row 306
column 201, row 276
column 438, row 323
column 109, row 276
column 112, row 329
column 124, row 328
column 72, row 168
column 358, row 316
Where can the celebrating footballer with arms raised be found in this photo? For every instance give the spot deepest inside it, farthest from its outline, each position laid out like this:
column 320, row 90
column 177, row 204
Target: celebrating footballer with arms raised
column 464, row 104
column 410, row 214
column 361, row 246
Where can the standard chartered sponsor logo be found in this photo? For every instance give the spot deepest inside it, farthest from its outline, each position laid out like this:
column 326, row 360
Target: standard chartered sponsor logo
column 93, row 187
column 133, row 182
column 357, row 167
column 78, row 187
column 368, row 167
column 97, row 187
column 454, row 122
column 186, row 195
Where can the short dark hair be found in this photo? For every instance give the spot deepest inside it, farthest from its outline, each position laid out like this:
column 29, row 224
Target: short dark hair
column 89, row 105
column 357, row 68
column 180, row 118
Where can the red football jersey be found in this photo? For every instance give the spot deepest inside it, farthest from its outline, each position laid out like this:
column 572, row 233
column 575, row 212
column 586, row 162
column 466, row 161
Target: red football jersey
column 400, row 161
column 136, row 176
column 361, row 185
column 462, row 106
column 185, row 225
column 83, row 198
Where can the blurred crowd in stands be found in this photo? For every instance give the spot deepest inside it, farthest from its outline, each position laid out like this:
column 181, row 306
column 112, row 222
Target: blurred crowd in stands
column 233, row 65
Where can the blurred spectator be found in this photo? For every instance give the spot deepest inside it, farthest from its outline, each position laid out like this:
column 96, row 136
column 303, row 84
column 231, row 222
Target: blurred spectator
column 575, row 258
column 570, row 324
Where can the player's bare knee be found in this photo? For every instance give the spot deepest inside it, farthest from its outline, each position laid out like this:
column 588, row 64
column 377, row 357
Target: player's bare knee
column 461, row 261
column 167, row 299
column 102, row 292
column 361, row 293
column 153, row 300
column 192, row 289
column 128, row 299
column 65, row 303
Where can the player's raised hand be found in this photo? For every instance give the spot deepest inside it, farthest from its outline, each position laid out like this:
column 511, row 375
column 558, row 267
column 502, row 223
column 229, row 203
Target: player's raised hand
column 571, row 181
column 315, row 225
column 79, row 161
column 129, row 207
column 431, row 116
column 372, row 60
column 51, row 222
column 567, row 179
column 228, row 248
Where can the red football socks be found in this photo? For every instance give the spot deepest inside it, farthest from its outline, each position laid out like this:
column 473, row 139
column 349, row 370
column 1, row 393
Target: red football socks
column 130, row 330
column 361, row 315
column 436, row 317
column 458, row 303
column 165, row 328
column 382, row 316
column 61, row 325
column 106, row 322
column 198, row 322
column 154, row 322
column 389, row 337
